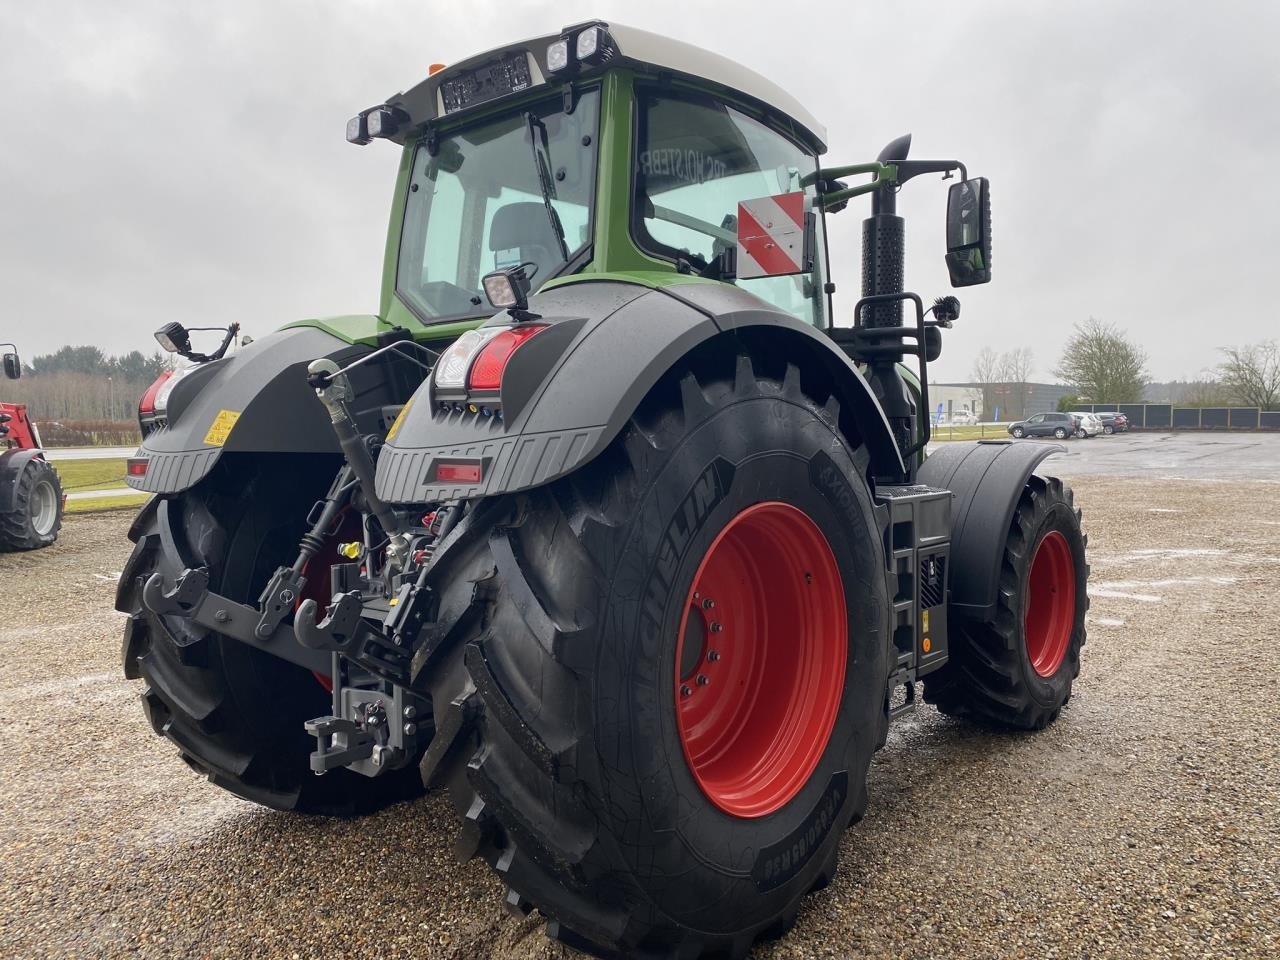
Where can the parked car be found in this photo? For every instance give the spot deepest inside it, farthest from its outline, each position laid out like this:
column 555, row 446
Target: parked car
column 963, row 418
column 1113, row 422
column 1059, row 425
column 1087, row 425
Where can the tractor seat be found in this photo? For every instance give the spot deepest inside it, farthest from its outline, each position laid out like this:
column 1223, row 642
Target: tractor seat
column 522, row 232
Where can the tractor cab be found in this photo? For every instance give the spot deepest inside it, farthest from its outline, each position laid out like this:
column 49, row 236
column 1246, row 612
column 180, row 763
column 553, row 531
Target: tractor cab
column 608, row 152
column 599, row 150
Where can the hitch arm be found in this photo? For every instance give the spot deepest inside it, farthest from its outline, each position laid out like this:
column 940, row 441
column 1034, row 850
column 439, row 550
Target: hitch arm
column 189, row 597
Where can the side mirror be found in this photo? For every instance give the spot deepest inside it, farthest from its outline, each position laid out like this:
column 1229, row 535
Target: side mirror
column 969, row 232
column 12, row 366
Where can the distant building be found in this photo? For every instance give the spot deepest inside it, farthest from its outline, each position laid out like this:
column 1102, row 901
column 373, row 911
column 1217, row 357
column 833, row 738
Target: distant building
column 996, row 401
column 956, row 399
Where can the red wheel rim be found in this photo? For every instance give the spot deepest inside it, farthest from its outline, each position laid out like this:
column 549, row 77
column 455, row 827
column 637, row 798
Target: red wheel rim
column 1051, row 604
column 760, row 659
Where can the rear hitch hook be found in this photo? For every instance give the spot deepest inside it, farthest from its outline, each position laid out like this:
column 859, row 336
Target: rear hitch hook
column 188, row 590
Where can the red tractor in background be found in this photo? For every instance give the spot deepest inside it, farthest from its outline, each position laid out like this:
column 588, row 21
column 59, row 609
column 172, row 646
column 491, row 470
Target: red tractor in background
column 31, row 497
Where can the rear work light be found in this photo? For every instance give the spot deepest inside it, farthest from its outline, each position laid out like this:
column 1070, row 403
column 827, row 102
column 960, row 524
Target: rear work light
column 491, row 361
column 147, row 405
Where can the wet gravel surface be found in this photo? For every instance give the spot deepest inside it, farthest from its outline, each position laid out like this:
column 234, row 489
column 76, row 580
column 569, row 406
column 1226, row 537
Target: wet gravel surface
column 1145, row 823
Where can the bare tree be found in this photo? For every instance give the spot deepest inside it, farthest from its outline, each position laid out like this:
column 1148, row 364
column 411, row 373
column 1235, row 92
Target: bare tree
column 1104, row 364
column 1205, row 392
column 1251, row 374
column 1015, row 371
column 986, row 366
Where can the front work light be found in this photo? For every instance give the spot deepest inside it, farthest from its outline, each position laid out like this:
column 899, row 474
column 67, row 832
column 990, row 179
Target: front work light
column 508, row 288
column 557, row 56
column 173, row 338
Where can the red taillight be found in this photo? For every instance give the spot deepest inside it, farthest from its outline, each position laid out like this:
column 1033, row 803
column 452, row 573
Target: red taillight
column 137, row 467
column 458, row 472
column 147, row 405
column 489, row 364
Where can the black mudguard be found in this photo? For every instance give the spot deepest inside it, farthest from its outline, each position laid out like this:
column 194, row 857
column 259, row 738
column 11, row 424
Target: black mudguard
column 263, row 388
column 986, row 478
column 568, row 393
column 12, row 464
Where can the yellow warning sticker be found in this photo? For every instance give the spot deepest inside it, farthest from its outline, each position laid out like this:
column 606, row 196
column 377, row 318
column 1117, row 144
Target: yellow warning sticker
column 924, row 621
column 221, row 428
column 395, row 426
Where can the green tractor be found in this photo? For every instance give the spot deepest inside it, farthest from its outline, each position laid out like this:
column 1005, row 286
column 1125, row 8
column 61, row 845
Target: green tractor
column 602, row 524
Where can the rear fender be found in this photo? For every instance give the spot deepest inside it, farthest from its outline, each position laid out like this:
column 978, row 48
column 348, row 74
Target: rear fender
column 986, row 478
column 255, row 401
column 572, row 389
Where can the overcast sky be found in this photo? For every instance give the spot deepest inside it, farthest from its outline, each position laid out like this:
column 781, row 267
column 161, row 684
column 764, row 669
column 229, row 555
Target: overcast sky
column 164, row 160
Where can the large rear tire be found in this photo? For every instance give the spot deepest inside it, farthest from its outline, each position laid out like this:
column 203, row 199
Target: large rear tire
column 236, row 714
column 36, row 516
column 580, row 665
column 1017, row 671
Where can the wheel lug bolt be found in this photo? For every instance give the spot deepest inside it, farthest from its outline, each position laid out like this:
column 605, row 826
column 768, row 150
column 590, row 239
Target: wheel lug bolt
column 708, row 603
column 716, row 626
column 702, row 680
column 713, row 655
column 685, row 690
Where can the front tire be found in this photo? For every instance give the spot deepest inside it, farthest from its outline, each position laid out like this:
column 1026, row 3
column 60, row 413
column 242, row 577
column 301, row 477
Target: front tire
column 579, row 656
column 1017, row 671
column 36, row 516
column 1018, row 433
column 235, row 713
column 1108, row 429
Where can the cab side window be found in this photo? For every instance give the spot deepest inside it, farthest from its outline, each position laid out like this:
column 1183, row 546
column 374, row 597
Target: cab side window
column 696, row 159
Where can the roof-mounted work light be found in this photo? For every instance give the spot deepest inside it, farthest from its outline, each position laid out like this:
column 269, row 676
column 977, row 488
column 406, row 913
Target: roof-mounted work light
column 557, row 56
column 358, row 130
column 385, row 122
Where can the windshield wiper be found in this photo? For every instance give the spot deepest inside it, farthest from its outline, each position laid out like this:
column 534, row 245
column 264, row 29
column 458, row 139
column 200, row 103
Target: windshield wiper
column 536, row 126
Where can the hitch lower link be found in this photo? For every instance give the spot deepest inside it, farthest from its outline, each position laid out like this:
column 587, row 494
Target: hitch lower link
column 372, row 732
column 189, row 597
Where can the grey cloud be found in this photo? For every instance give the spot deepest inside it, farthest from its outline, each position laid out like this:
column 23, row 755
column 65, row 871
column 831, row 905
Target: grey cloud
column 169, row 161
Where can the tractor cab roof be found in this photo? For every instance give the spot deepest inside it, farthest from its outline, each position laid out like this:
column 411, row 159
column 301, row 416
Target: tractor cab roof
column 518, row 67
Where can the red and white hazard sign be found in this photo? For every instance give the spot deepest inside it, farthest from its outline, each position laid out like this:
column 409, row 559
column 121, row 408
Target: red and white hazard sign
column 771, row 236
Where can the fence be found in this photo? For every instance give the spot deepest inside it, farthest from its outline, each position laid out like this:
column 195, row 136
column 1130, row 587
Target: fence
column 89, row 433
column 974, row 431
column 1165, row 416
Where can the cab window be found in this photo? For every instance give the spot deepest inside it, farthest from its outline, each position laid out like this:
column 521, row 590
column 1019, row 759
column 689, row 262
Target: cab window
column 695, row 160
column 512, row 190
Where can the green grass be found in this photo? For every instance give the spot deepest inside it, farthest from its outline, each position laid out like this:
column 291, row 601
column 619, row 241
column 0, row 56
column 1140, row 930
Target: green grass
column 978, row 431
column 99, row 504
column 104, row 474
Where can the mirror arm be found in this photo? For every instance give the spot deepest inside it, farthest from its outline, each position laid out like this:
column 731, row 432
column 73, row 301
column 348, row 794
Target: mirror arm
column 913, row 168
column 884, row 174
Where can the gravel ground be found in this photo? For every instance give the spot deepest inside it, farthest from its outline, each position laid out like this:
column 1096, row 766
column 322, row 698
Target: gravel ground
column 1145, row 823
